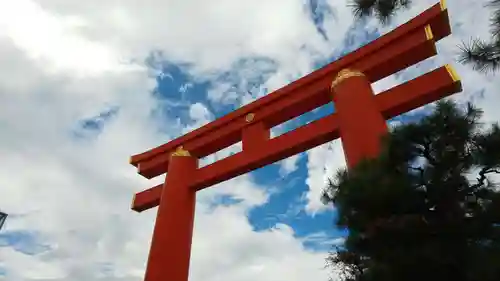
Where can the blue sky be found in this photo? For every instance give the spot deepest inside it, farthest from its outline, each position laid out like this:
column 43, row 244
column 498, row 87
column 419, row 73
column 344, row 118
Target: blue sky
column 93, row 86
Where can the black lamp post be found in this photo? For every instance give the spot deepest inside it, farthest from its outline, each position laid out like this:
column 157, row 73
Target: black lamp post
column 3, row 216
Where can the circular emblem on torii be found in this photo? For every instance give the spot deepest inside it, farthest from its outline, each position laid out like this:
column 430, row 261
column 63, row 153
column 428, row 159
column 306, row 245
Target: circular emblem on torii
column 249, row 118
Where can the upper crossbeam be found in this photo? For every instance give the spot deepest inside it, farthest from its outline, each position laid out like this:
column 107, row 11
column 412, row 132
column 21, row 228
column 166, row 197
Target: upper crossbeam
column 408, row 44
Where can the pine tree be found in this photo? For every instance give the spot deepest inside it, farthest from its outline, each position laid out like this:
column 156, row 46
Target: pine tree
column 416, row 212
column 483, row 55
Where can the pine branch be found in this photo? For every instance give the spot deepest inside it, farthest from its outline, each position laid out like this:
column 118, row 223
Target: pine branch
column 483, row 177
column 426, row 153
column 495, row 24
column 383, row 9
column 362, row 8
column 483, row 56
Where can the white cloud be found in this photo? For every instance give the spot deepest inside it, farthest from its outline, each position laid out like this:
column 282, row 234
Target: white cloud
column 200, row 115
column 289, row 165
column 324, row 240
column 323, row 163
column 51, row 40
column 212, row 35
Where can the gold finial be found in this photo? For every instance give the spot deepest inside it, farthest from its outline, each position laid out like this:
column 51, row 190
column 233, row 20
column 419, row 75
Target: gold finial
column 180, row 151
column 132, row 204
column 443, row 4
column 249, row 118
column 452, row 72
column 430, row 36
column 428, row 32
column 344, row 74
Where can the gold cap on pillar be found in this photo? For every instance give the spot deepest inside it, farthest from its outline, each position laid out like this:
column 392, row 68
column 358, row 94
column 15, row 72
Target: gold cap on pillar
column 344, row 74
column 180, row 151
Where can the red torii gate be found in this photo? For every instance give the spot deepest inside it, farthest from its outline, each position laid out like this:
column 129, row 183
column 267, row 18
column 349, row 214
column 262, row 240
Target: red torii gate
column 353, row 96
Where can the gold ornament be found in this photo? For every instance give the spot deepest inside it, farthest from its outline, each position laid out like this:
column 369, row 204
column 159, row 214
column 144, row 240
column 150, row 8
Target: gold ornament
column 344, row 74
column 453, row 74
column 428, row 32
column 442, row 3
column 179, row 151
column 133, row 202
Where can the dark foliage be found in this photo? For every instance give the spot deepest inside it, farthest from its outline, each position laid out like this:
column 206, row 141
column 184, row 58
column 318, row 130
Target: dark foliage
column 416, row 212
column 382, row 9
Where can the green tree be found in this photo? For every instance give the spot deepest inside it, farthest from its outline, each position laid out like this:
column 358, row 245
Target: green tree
column 483, row 55
column 416, row 212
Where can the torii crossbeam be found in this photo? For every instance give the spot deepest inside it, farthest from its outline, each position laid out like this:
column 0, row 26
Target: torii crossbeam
column 359, row 120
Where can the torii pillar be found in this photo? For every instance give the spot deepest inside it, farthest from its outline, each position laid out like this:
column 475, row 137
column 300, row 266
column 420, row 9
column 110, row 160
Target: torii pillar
column 359, row 120
column 353, row 97
column 173, row 232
